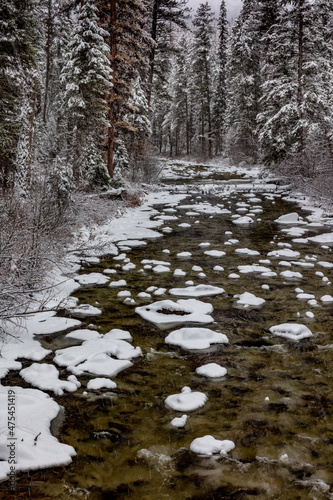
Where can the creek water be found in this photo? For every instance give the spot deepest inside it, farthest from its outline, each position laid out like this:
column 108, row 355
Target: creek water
column 275, row 403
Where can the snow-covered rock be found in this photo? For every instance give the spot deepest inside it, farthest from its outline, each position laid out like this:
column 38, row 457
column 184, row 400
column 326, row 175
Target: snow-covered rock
column 215, row 253
column 195, row 338
column 243, row 221
column 292, row 331
column 208, row 446
column 211, row 370
column 94, row 356
column 166, row 313
column 249, row 299
column 101, row 383
column 197, row 291
column 292, row 218
column 91, row 279
column 186, row 400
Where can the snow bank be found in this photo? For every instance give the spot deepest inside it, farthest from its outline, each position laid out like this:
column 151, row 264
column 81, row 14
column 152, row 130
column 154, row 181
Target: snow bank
column 46, row 377
column 34, row 446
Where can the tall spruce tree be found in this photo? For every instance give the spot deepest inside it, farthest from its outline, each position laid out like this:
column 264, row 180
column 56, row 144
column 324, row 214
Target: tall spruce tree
column 86, row 76
column 220, row 90
column 19, row 43
column 244, row 78
column 296, row 109
column 203, row 30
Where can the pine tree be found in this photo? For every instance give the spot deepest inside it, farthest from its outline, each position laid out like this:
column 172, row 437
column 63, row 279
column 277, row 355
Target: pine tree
column 129, row 45
column 203, row 30
column 244, row 78
column 86, row 76
column 219, row 97
column 165, row 16
column 296, row 108
column 19, row 42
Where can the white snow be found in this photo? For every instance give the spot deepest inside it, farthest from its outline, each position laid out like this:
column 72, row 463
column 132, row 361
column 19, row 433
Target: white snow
column 179, row 421
column 327, row 265
column 161, row 269
column 197, row 291
column 211, row 370
column 46, row 377
column 184, row 255
column 292, row 218
column 83, row 334
column 243, row 221
column 326, row 298
column 22, row 345
column 292, row 331
column 166, row 313
column 91, row 279
column 195, row 338
column 291, row 275
column 284, row 253
column 115, row 284
column 249, row 299
column 255, row 268
column 179, row 272
column 93, row 355
column 246, row 251
column 207, row 446
column 186, row 400
column 101, row 383
column 322, row 239
column 215, row 253
column 84, row 311
column 35, row 447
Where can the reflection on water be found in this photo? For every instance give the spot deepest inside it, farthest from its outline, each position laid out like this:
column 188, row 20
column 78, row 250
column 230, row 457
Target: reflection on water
column 275, row 403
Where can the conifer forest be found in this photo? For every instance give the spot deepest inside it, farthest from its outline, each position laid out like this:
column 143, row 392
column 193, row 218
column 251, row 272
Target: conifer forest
column 145, row 137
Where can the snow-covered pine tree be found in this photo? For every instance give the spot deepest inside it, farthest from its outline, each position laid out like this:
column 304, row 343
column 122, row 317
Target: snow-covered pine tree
column 220, row 90
column 296, row 119
column 19, row 26
column 203, row 30
column 129, row 44
column 86, row 76
column 243, row 81
column 165, row 17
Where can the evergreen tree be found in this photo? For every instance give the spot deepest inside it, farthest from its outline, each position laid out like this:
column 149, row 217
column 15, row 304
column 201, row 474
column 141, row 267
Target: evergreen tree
column 165, row 16
column 129, row 44
column 86, row 77
column 219, row 98
column 296, row 109
column 19, row 43
column 203, row 30
column 244, row 78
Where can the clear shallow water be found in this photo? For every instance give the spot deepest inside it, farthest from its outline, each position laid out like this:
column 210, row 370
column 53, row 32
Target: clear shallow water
column 126, row 447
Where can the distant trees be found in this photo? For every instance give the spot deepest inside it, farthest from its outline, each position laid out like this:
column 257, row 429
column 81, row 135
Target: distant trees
column 86, row 87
